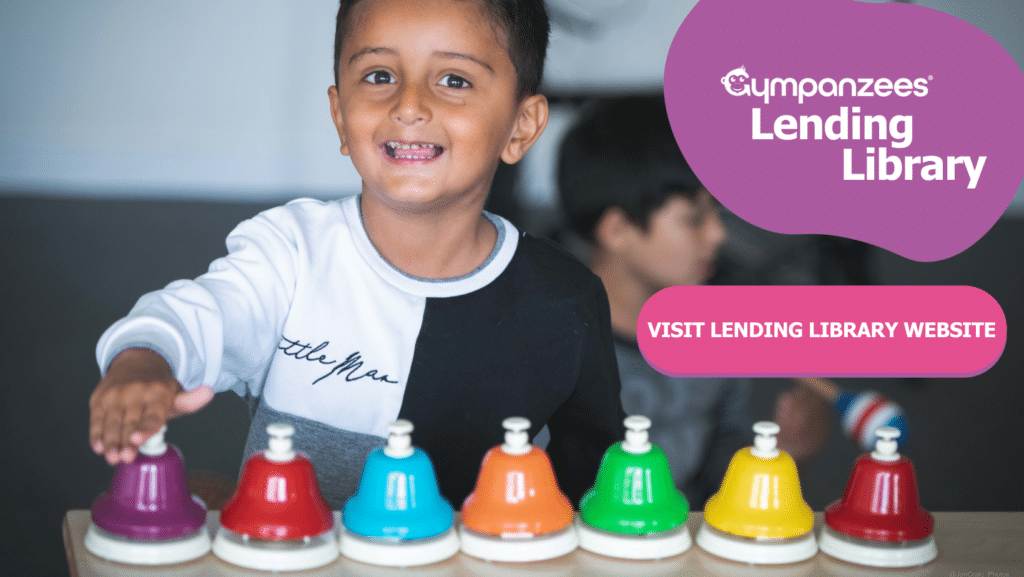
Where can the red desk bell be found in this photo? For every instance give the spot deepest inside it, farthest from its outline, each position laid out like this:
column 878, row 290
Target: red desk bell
column 880, row 521
column 277, row 520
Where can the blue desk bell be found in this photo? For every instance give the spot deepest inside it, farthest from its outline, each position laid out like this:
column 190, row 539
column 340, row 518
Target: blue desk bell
column 398, row 516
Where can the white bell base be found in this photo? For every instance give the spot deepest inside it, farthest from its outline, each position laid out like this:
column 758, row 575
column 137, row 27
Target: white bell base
column 877, row 553
column 748, row 550
column 518, row 548
column 649, row 546
column 398, row 552
column 111, row 547
column 269, row 555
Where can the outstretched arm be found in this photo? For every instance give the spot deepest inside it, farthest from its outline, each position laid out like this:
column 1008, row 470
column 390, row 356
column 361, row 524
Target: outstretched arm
column 181, row 344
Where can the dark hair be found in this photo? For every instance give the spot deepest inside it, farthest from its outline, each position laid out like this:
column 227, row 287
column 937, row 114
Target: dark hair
column 621, row 153
column 524, row 23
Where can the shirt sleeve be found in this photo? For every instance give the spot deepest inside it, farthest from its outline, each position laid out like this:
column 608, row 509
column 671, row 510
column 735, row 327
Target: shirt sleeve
column 222, row 328
column 591, row 418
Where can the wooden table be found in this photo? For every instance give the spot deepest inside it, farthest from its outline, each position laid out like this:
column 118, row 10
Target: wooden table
column 970, row 545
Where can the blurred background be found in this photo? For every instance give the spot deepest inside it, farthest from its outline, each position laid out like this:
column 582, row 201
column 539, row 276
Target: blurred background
column 135, row 135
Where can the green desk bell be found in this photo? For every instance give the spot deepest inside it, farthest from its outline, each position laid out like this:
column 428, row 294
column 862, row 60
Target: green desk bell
column 634, row 510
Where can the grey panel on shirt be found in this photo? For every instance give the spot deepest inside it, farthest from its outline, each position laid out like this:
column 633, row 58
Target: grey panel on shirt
column 337, row 455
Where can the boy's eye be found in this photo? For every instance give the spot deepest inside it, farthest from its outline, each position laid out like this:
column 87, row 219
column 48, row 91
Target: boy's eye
column 701, row 216
column 379, row 77
column 454, row 81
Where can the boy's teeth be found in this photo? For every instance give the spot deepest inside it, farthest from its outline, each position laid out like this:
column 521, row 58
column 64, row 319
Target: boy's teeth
column 415, row 150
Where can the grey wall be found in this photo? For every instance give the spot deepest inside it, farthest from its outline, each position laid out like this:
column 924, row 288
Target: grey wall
column 228, row 99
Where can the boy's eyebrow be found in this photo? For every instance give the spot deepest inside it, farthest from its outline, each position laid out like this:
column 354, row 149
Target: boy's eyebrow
column 443, row 54
column 370, row 50
column 462, row 56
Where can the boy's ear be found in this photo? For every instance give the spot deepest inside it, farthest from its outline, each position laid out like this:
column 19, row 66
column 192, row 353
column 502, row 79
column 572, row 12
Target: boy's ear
column 613, row 230
column 530, row 123
column 339, row 121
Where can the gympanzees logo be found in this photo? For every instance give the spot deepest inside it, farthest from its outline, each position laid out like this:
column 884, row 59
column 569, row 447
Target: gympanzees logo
column 739, row 83
column 736, row 82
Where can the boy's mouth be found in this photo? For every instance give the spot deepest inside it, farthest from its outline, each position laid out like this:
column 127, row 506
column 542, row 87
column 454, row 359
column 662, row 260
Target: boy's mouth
column 412, row 150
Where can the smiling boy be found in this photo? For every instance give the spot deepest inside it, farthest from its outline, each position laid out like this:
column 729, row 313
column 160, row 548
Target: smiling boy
column 427, row 103
column 406, row 301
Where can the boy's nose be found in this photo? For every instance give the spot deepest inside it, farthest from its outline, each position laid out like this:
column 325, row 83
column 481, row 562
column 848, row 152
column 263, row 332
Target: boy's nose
column 716, row 229
column 411, row 106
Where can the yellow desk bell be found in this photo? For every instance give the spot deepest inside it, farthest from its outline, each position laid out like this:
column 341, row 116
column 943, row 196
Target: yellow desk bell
column 759, row 514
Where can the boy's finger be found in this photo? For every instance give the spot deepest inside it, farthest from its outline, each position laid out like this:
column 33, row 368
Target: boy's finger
column 96, row 421
column 111, row 434
column 149, row 424
column 130, row 423
column 191, row 401
column 127, row 454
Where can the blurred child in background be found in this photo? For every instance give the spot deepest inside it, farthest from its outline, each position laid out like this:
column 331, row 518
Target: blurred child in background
column 629, row 193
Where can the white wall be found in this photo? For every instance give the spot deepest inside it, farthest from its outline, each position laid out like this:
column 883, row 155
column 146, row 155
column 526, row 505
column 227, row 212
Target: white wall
column 228, row 99
column 225, row 98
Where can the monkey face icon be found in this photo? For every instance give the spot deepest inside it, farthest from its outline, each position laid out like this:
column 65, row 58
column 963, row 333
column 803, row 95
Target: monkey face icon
column 736, row 82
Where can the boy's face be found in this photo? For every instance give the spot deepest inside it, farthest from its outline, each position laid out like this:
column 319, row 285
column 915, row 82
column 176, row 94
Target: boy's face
column 680, row 243
column 426, row 101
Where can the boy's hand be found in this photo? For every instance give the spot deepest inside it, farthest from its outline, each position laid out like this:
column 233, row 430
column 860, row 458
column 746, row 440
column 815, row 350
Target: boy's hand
column 804, row 420
column 134, row 399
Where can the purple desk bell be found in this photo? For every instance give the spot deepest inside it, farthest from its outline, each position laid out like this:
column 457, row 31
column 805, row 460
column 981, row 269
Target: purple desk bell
column 148, row 517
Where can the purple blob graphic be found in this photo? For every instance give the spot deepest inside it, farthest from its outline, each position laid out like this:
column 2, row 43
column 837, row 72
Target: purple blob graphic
column 892, row 124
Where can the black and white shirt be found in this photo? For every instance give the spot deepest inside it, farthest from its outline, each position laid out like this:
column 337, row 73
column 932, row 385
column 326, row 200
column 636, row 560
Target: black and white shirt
column 305, row 315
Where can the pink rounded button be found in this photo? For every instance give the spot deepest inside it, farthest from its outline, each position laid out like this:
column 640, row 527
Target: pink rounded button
column 822, row 331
